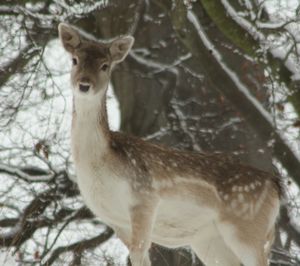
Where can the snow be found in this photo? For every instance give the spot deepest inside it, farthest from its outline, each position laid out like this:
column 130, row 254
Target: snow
column 80, row 8
column 283, row 16
column 7, row 260
column 113, row 110
column 281, row 10
column 16, row 43
column 159, row 67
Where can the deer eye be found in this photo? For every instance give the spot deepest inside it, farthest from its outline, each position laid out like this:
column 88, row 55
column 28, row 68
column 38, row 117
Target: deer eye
column 104, row 67
column 74, row 61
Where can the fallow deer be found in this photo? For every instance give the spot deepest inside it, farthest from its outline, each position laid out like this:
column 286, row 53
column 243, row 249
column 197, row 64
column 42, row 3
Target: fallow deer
column 225, row 211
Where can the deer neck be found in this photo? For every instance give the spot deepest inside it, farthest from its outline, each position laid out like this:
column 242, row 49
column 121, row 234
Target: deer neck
column 90, row 127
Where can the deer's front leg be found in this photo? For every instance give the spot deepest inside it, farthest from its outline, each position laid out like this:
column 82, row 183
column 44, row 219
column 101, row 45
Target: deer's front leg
column 142, row 221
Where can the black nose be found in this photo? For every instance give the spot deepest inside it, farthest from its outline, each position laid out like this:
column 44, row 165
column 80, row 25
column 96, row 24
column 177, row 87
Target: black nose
column 84, row 87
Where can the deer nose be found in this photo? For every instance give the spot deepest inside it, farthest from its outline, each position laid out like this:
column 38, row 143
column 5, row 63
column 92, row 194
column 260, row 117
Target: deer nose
column 84, row 87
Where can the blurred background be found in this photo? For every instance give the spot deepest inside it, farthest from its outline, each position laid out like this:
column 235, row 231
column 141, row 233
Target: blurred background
column 209, row 75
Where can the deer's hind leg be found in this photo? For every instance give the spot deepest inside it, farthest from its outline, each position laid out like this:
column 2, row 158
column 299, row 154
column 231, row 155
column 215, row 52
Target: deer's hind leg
column 215, row 252
column 250, row 236
column 212, row 250
column 250, row 249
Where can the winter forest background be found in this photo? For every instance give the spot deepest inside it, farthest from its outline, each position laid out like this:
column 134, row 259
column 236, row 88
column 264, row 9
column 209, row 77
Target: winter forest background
column 209, row 75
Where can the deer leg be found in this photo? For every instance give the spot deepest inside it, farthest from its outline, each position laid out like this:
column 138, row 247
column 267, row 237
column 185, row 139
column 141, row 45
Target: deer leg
column 142, row 220
column 214, row 252
column 251, row 251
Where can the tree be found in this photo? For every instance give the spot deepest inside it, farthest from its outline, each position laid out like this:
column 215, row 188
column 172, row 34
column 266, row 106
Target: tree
column 204, row 76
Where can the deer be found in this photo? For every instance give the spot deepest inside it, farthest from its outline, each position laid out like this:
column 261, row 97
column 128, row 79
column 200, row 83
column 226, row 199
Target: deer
column 224, row 210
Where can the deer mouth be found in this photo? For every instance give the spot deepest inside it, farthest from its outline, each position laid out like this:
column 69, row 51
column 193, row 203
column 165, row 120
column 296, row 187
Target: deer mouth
column 84, row 87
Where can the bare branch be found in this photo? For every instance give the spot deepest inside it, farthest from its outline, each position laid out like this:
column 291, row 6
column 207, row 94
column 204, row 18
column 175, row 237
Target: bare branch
column 31, row 220
column 80, row 246
column 17, row 63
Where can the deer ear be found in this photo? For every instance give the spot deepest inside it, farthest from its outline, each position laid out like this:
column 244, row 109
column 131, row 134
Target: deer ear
column 119, row 48
column 69, row 37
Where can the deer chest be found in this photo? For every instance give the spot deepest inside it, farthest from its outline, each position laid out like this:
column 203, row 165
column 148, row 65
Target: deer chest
column 104, row 192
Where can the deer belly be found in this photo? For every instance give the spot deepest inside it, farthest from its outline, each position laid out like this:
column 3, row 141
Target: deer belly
column 179, row 221
column 106, row 195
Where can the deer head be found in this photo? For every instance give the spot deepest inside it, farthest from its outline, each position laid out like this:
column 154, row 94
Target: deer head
column 92, row 61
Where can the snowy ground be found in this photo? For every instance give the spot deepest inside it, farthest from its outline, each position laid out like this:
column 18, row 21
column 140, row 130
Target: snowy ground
column 6, row 259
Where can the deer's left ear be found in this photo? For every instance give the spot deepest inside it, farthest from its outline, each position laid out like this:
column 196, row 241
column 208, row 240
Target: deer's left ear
column 119, row 48
column 69, row 37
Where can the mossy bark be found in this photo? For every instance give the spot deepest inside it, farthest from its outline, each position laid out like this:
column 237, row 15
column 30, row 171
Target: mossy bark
column 242, row 39
column 230, row 28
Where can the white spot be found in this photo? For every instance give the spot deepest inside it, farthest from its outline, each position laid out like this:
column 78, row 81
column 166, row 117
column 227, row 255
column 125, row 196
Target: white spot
column 246, row 188
column 133, row 162
column 252, row 185
column 226, row 197
column 234, row 188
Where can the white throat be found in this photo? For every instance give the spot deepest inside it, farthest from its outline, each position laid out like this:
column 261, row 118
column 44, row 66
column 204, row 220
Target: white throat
column 88, row 105
column 90, row 128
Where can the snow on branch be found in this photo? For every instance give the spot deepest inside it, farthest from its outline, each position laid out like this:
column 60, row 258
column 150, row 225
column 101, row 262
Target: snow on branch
column 32, row 174
column 158, row 66
column 193, row 19
column 245, row 24
column 274, row 25
column 256, row 31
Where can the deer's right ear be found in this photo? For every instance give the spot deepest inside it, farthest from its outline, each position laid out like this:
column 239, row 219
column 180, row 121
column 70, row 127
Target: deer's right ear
column 69, row 37
column 120, row 47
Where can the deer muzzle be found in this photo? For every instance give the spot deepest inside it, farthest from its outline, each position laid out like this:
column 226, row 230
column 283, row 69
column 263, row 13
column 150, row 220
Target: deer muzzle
column 84, row 87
